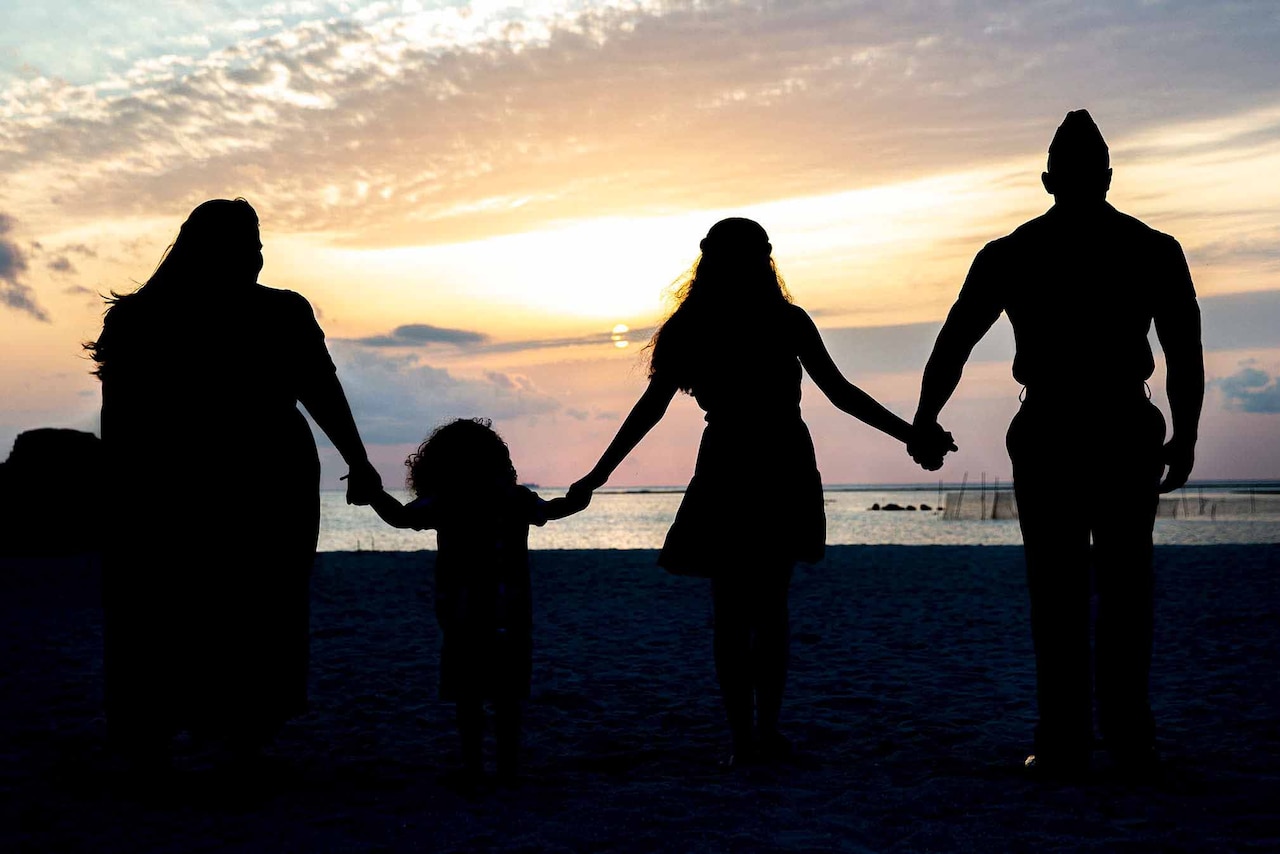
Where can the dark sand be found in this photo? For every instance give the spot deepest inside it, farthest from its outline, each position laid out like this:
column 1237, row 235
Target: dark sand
column 910, row 703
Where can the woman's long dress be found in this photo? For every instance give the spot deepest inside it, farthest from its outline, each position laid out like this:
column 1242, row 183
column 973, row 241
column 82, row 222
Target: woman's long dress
column 755, row 500
column 212, row 502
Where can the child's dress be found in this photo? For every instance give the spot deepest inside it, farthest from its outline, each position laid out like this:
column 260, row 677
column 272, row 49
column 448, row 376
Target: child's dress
column 482, row 598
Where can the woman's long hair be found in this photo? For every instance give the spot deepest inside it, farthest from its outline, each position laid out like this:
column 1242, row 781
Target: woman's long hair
column 219, row 240
column 733, row 284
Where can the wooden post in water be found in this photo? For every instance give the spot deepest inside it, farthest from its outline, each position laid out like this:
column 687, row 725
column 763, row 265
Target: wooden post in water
column 982, row 499
column 960, row 500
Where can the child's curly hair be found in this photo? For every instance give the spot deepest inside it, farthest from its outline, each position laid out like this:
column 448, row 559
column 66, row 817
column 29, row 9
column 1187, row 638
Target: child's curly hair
column 463, row 456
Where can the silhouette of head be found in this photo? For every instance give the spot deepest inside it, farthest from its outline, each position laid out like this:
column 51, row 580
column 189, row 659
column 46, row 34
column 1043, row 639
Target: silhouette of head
column 218, row 245
column 1079, row 167
column 734, row 278
column 735, row 269
column 219, row 241
column 464, row 458
column 736, row 237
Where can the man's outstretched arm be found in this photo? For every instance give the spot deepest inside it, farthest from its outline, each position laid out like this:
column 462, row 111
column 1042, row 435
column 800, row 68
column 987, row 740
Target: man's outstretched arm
column 1177, row 325
column 975, row 310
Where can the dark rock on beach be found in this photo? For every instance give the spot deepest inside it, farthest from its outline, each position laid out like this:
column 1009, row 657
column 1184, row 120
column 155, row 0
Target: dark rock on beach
column 50, row 493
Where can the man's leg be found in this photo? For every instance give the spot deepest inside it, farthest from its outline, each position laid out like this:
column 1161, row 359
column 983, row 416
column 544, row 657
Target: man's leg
column 1055, row 537
column 1125, row 585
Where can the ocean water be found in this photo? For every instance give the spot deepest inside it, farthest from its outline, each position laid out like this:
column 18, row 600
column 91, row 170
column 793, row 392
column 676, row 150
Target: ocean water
column 630, row 519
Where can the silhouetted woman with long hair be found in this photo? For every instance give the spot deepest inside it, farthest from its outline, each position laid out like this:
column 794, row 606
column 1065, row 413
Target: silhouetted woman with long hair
column 737, row 344
column 212, row 492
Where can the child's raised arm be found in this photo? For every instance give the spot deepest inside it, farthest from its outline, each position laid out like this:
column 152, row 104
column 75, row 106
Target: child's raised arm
column 417, row 515
column 558, row 508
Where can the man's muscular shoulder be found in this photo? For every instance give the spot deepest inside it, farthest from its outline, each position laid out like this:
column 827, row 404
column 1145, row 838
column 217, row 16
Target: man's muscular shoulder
column 1158, row 241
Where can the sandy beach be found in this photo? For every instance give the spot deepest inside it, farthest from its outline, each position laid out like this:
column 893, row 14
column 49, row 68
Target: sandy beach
column 910, row 703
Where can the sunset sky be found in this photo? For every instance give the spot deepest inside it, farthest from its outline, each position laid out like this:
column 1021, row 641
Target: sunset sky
column 477, row 197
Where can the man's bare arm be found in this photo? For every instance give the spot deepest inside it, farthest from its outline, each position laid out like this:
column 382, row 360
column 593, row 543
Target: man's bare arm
column 975, row 310
column 1178, row 329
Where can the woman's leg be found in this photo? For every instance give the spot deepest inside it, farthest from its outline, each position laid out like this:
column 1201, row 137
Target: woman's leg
column 507, row 726
column 771, row 653
column 470, row 718
column 732, row 647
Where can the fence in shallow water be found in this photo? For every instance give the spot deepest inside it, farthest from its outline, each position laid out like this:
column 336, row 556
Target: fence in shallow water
column 975, row 505
column 979, row 506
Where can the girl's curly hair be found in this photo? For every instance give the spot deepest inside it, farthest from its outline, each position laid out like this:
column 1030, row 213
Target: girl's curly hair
column 463, row 456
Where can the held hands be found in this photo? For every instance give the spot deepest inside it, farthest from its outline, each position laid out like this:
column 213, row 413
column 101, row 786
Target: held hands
column 363, row 484
column 579, row 495
column 928, row 444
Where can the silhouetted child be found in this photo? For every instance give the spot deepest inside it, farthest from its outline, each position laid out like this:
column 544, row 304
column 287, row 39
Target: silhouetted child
column 465, row 488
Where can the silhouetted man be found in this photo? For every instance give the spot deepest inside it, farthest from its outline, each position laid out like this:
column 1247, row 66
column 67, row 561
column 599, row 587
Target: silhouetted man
column 1082, row 285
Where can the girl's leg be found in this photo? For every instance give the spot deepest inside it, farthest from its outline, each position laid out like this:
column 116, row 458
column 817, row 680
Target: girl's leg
column 732, row 646
column 470, row 717
column 771, row 652
column 507, row 724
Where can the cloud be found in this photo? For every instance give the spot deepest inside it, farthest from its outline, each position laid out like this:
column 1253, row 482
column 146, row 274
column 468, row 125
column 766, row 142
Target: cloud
column 1241, row 321
column 78, row 290
column 1259, row 250
column 594, row 339
column 422, row 334
column 388, row 127
column 399, row 399
column 61, row 264
column 1251, row 389
column 13, row 263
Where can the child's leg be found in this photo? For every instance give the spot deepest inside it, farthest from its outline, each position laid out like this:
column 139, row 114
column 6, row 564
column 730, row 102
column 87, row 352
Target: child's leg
column 732, row 646
column 507, row 724
column 770, row 653
column 470, row 717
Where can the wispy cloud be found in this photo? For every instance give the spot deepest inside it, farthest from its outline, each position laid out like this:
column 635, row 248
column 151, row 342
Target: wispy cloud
column 387, row 125
column 14, row 293
column 422, row 334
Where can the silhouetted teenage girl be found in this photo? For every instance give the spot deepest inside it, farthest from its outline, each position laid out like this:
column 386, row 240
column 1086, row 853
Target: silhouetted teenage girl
column 754, row 505
column 466, row 490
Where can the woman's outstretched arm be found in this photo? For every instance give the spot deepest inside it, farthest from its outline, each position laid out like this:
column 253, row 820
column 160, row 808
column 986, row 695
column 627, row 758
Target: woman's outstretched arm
column 647, row 412
column 321, row 393
column 327, row 403
column 844, row 394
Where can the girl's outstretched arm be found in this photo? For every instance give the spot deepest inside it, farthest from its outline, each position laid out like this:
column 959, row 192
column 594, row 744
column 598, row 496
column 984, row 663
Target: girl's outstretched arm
column 844, row 394
column 559, row 508
column 647, row 412
column 397, row 515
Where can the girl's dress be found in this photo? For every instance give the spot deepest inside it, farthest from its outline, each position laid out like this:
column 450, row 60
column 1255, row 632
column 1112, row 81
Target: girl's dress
column 756, row 494
column 482, row 598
